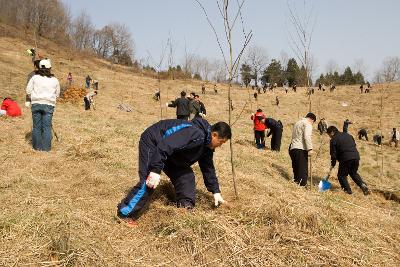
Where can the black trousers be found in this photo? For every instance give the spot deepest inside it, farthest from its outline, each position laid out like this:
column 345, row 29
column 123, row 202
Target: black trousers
column 276, row 140
column 349, row 167
column 299, row 159
column 87, row 103
column 260, row 138
column 182, row 178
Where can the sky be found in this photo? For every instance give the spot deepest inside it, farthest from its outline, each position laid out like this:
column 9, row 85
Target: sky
column 344, row 31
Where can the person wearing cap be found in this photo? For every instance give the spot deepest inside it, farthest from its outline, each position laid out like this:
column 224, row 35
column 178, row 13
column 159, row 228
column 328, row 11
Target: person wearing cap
column 259, row 128
column 182, row 106
column 173, row 146
column 395, row 138
column 43, row 89
column 301, row 148
column 343, row 149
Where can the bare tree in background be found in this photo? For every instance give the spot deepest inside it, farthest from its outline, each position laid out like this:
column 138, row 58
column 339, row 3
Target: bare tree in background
column 332, row 66
column 82, row 31
column 391, row 69
column 301, row 37
column 284, row 59
column 206, row 68
column 231, row 63
column 359, row 66
column 257, row 59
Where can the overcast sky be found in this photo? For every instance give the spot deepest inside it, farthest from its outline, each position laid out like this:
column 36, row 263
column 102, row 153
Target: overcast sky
column 345, row 31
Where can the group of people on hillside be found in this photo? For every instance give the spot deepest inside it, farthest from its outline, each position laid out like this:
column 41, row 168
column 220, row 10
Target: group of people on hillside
column 172, row 146
column 342, row 149
column 377, row 138
column 188, row 108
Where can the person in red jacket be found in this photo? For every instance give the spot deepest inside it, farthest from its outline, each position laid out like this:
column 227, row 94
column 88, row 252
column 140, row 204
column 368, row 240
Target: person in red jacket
column 10, row 108
column 259, row 128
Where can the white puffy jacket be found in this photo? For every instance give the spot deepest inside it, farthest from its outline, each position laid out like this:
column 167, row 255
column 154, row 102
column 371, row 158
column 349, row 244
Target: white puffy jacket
column 43, row 90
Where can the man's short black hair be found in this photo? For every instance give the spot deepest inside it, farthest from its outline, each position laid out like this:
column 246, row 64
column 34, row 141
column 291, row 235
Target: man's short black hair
column 259, row 110
column 311, row 116
column 183, row 93
column 332, row 129
column 223, row 129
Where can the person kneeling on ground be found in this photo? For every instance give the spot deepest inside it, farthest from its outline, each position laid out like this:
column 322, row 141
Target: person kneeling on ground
column 172, row 146
column 10, row 108
column 343, row 149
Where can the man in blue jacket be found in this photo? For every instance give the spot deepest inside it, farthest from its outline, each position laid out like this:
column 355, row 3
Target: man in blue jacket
column 172, row 146
column 343, row 149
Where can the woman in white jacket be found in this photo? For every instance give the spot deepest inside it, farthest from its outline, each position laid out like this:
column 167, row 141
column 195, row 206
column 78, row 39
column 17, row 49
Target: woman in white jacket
column 43, row 89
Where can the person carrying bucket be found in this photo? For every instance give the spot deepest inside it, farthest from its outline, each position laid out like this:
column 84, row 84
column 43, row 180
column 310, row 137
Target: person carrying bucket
column 343, row 149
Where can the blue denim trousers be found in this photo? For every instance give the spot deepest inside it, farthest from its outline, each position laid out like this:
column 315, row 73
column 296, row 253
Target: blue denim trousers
column 42, row 116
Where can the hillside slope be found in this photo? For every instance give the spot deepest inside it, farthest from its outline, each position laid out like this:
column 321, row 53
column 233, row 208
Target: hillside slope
column 58, row 208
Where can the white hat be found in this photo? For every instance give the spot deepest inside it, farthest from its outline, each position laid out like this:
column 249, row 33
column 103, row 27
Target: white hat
column 45, row 64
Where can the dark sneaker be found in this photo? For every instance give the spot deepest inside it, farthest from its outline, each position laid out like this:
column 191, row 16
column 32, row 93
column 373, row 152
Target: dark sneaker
column 365, row 189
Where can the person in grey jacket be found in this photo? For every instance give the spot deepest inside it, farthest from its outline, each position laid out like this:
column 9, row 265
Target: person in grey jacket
column 301, row 148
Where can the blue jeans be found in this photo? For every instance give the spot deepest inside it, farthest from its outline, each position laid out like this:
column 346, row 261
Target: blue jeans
column 42, row 116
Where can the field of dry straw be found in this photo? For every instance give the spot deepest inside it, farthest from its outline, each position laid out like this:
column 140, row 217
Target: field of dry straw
column 57, row 208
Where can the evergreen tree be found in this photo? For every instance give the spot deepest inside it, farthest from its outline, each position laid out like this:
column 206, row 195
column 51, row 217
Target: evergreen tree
column 347, row 78
column 359, row 78
column 245, row 73
column 273, row 73
column 292, row 71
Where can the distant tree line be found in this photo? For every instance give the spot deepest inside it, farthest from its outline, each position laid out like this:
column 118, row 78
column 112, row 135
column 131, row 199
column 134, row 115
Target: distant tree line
column 346, row 78
column 275, row 73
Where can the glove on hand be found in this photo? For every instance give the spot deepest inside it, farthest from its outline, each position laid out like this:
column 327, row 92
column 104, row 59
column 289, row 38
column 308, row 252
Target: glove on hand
column 166, row 104
column 27, row 104
column 218, row 199
column 153, row 180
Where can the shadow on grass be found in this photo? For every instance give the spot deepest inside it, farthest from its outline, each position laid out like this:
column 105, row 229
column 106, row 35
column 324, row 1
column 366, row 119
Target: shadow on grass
column 28, row 137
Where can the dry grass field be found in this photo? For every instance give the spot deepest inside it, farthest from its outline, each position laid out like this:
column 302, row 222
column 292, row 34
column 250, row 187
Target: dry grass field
column 57, row 208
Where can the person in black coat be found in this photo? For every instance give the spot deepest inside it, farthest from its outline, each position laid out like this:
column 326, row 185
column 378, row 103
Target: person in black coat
column 343, row 149
column 172, row 146
column 275, row 129
column 182, row 106
column 362, row 133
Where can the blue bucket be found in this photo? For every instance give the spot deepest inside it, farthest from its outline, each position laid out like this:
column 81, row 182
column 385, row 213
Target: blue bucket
column 324, row 185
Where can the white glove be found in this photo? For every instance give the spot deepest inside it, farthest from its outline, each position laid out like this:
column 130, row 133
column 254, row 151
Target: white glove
column 166, row 104
column 153, row 180
column 218, row 199
column 252, row 114
column 27, row 104
column 202, row 115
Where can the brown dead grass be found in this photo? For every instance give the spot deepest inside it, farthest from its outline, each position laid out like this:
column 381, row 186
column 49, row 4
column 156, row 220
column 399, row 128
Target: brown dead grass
column 57, row 209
